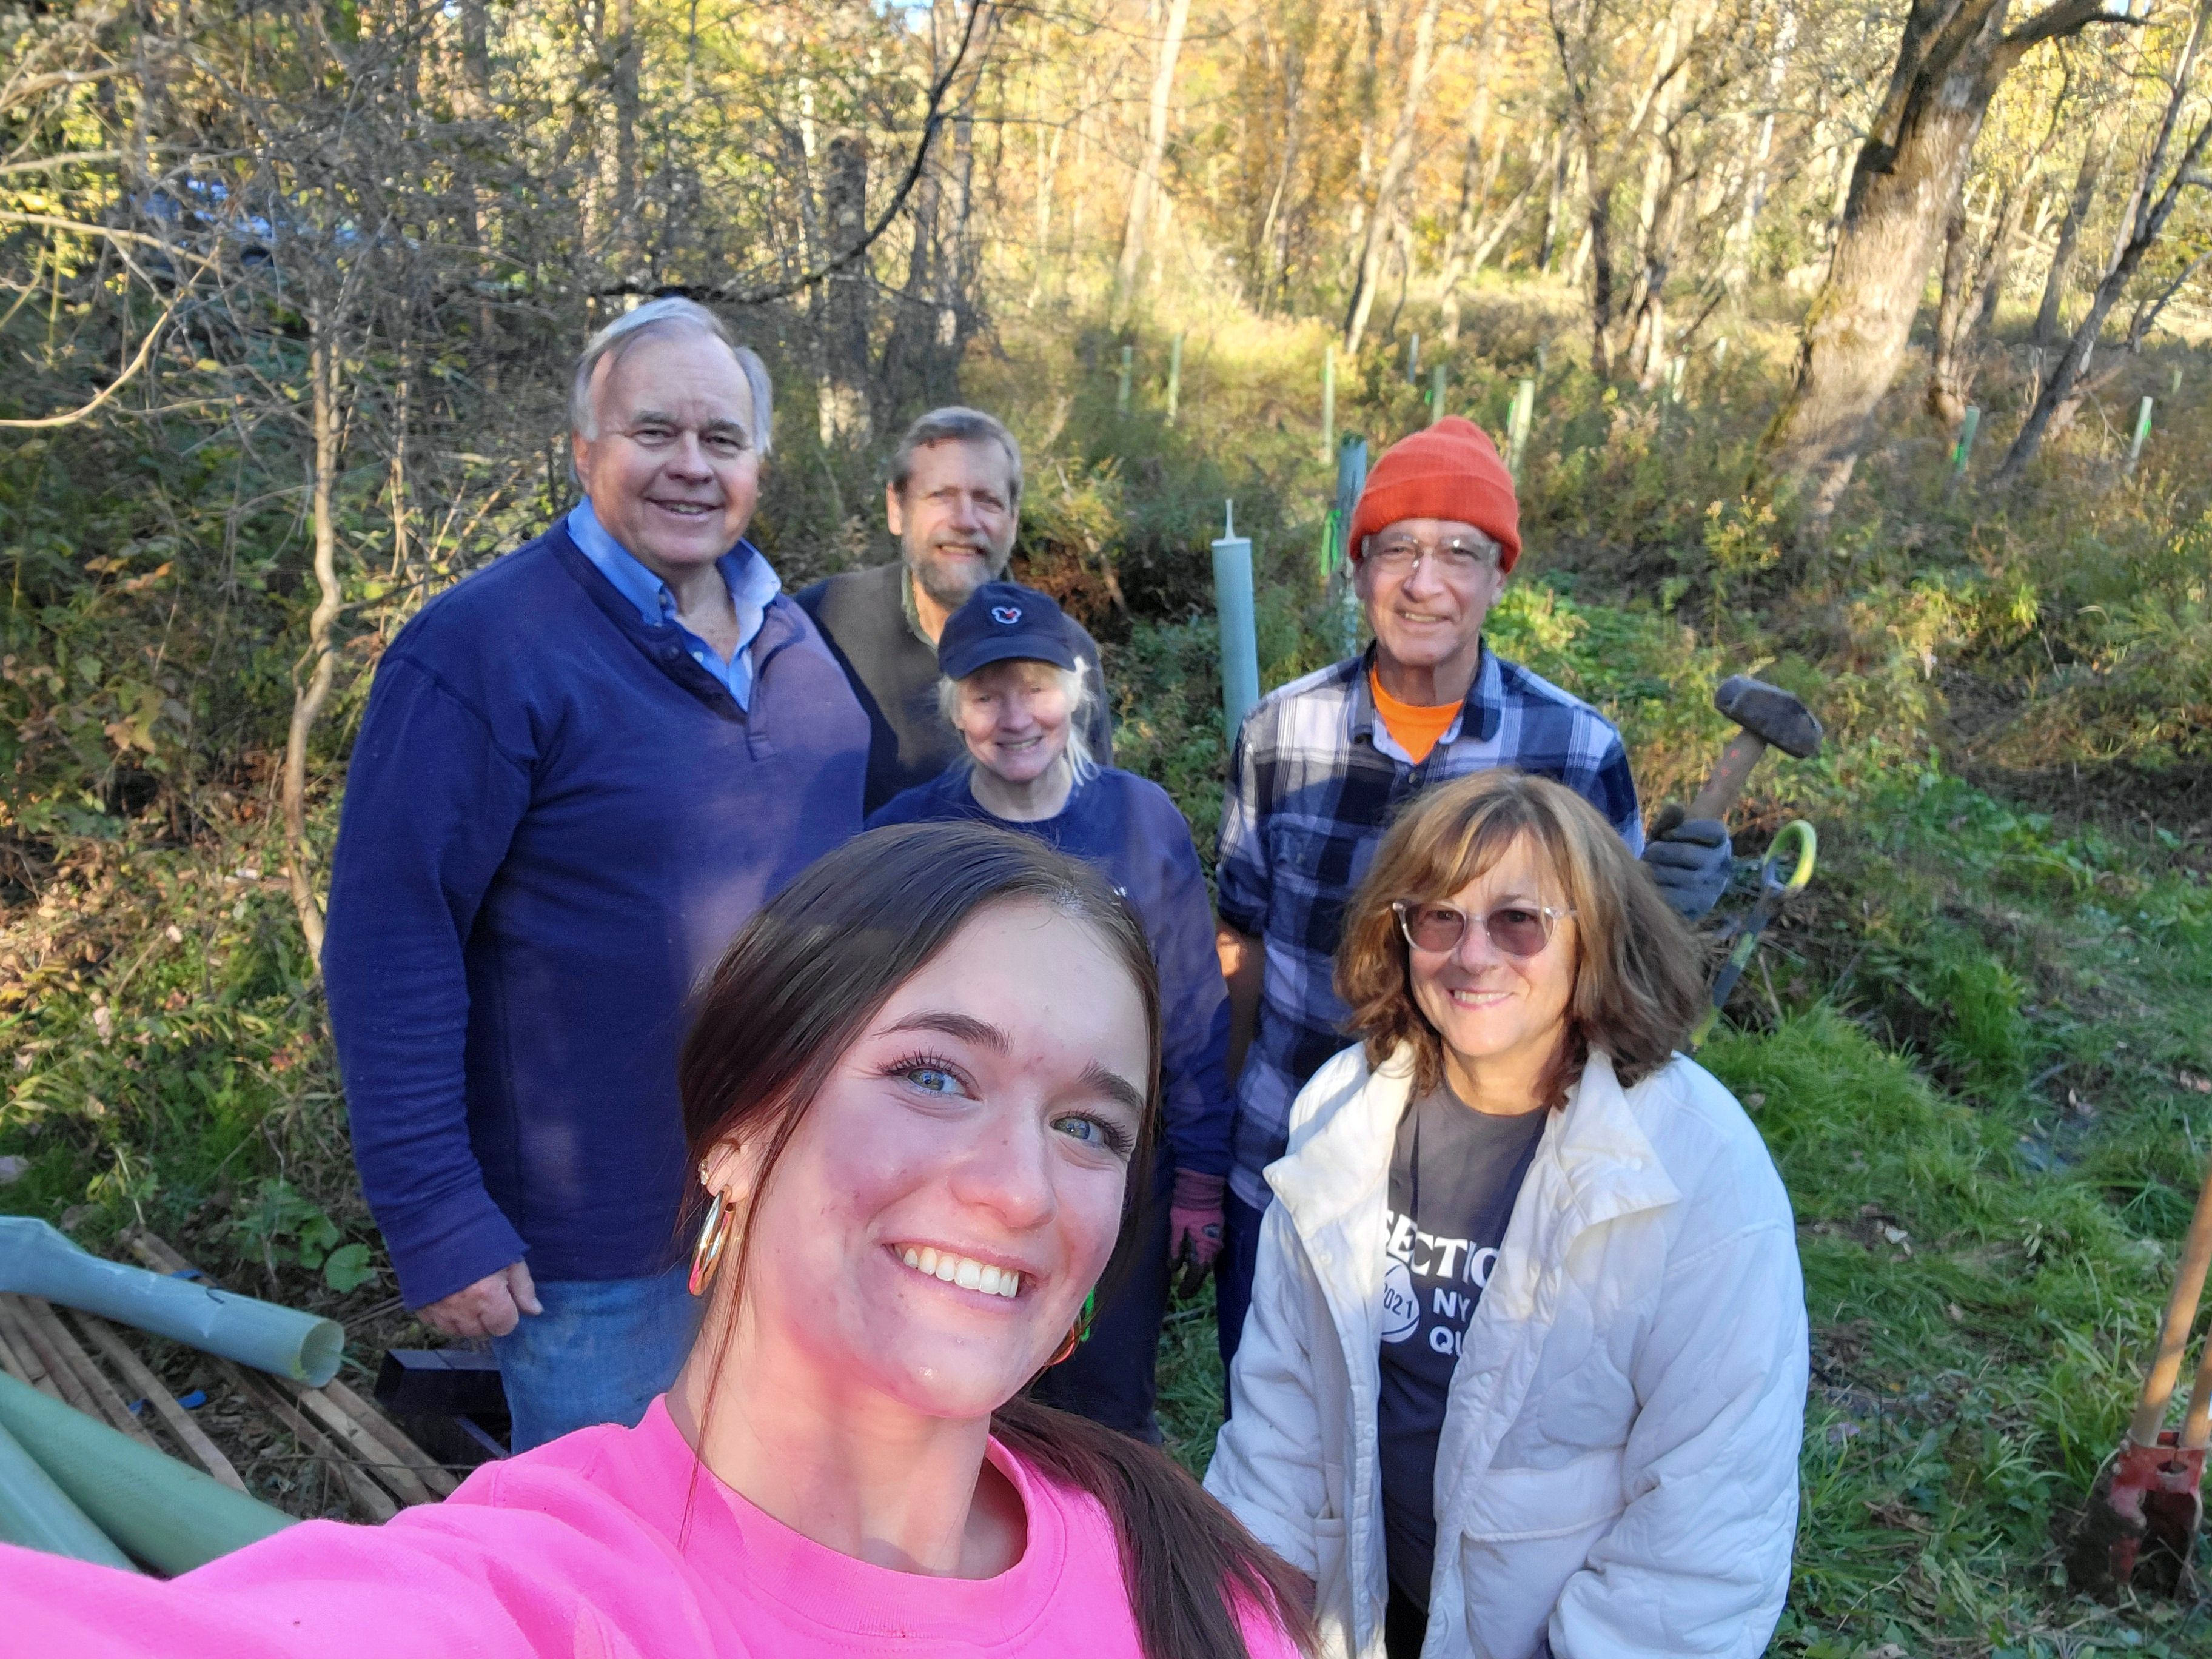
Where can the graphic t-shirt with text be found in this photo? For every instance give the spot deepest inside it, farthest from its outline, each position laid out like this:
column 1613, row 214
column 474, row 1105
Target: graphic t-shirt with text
column 1454, row 1173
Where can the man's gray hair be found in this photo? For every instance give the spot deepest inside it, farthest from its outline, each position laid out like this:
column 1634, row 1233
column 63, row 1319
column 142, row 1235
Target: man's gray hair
column 956, row 424
column 653, row 319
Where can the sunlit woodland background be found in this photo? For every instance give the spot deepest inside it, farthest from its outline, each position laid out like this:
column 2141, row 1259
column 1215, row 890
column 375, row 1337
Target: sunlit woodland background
column 1837, row 319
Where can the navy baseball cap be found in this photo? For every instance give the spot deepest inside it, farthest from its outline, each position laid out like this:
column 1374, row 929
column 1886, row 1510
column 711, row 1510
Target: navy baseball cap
column 999, row 622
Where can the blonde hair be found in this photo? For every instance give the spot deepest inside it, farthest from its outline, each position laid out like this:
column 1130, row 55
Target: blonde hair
column 1639, row 976
column 1074, row 685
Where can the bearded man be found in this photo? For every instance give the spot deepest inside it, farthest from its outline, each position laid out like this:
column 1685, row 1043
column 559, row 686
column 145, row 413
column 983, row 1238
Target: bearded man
column 953, row 499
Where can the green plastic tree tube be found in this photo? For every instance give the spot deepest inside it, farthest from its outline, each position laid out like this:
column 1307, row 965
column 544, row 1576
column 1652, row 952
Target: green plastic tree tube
column 38, row 1515
column 36, row 1260
column 164, row 1513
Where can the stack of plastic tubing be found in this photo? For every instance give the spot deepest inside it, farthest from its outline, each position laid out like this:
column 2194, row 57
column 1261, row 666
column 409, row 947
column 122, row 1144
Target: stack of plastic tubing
column 162, row 1512
column 37, row 1513
column 36, row 1260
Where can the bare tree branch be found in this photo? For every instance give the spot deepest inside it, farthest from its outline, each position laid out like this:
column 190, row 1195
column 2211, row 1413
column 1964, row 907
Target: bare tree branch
column 934, row 118
column 2068, row 18
column 145, row 351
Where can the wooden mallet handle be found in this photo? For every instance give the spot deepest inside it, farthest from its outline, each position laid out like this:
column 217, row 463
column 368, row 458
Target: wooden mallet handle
column 1728, row 777
column 2180, row 1313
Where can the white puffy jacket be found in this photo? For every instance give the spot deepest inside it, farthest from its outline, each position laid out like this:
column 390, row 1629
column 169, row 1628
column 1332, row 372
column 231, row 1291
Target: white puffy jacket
column 1618, row 1468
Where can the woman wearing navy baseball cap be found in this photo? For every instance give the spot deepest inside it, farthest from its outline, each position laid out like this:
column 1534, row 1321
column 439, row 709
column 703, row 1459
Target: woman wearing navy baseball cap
column 1014, row 688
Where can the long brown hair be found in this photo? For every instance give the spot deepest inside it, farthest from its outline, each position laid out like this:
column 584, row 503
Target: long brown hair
column 795, row 990
column 1639, row 979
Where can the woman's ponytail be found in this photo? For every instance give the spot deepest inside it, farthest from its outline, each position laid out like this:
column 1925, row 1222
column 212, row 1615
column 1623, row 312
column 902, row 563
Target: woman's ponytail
column 1193, row 1573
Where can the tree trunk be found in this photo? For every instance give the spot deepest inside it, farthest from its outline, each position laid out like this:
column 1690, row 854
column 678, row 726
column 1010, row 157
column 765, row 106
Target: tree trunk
column 1547, row 245
column 1735, row 267
column 1600, row 265
column 2152, row 202
column 2094, row 157
column 307, row 698
column 397, row 486
column 1275, row 228
column 955, row 311
column 842, row 392
column 1478, row 172
column 1048, row 172
column 1382, row 216
column 623, row 77
column 1953, row 56
column 1972, row 284
column 475, row 102
column 1947, row 377
column 1146, row 185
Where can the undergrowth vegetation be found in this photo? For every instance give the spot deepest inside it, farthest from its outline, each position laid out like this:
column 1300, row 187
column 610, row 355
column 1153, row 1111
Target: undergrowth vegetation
column 1980, row 1048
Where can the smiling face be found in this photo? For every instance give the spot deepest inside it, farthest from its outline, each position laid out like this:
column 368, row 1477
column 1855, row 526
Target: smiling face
column 1496, row 1011
column 1430, row 616
column 949, row 1199
column 1014, row 717
column 672, row 470
column 955, row 519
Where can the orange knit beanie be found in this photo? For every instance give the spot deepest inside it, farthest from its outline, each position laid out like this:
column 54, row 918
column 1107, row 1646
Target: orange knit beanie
column 1449, row 470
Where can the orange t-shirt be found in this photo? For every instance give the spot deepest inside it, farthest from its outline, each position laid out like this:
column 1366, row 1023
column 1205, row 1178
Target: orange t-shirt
column 1416, row 728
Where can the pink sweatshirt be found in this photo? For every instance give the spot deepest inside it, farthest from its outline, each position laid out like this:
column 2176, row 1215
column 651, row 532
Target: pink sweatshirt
column 571, row 1551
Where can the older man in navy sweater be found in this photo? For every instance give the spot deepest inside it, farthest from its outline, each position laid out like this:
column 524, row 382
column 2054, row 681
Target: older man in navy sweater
column 581, row 771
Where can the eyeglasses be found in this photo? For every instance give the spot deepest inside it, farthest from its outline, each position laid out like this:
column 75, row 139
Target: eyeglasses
column 1518, row 930
column 1458, row 558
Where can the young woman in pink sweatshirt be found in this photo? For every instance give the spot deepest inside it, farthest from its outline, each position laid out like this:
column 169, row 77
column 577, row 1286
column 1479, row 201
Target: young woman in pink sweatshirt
column 920, row 1092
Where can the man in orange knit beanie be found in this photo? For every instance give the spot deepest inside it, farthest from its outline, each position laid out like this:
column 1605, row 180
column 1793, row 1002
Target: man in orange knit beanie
column 1323, row 765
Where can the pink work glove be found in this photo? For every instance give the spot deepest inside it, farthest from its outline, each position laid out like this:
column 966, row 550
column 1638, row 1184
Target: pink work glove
column 1194, row 1217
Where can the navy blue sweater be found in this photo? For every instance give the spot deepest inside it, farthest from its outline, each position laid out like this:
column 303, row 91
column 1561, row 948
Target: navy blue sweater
column 1134, row 833
column 555, row 821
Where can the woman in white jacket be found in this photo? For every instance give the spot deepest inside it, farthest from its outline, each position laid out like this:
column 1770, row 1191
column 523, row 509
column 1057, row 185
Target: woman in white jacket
column 1525, row 1369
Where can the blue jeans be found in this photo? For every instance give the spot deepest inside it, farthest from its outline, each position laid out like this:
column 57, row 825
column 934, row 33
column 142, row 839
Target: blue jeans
column 599, row 1353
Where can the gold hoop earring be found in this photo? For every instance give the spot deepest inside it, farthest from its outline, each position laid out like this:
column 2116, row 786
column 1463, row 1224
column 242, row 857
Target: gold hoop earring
column 714, row 1238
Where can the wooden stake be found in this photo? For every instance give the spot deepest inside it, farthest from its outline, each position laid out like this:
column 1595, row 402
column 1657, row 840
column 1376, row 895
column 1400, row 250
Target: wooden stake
column 1121, row 396
column 373, row 1500
column 22, row 1362
column 434, row 1475
column 377, row 1459
column 136, row 1372
column 107, row 1404
column 1437, row 377
column 61, row 1382
column 1174, row 376
column 410, row 1472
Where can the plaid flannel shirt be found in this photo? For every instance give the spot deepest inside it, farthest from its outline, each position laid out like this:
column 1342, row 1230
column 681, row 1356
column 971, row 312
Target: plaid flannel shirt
column 1316, row 782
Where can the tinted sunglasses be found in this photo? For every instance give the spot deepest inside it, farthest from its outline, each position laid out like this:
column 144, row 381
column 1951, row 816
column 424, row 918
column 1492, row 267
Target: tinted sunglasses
column 1518, row 930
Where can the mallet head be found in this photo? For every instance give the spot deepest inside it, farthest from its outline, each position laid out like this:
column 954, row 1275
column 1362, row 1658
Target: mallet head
column 1769, row 712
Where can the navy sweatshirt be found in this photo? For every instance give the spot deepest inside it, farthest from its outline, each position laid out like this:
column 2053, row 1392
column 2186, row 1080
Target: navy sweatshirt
column 1134, row 832
column 555, row 821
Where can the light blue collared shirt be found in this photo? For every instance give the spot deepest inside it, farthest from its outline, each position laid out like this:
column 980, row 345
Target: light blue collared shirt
column 752, row 582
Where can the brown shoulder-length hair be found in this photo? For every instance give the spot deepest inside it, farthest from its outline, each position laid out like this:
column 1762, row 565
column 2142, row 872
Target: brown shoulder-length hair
column 1639, row 976
column 795, row 990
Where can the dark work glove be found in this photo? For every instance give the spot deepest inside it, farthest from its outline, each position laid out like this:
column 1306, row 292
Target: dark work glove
column 1194, row 1227
column 1691, row 861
